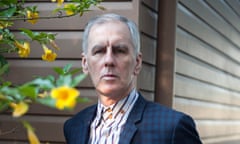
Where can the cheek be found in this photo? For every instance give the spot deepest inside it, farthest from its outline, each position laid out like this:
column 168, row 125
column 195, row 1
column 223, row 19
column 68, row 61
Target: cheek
column 94, row 71
column 128, row 68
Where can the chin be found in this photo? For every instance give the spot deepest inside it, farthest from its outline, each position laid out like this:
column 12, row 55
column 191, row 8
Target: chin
column 109, row 91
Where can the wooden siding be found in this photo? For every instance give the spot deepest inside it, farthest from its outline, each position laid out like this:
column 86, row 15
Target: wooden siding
column 48, row 122
column 207, row 67
column 148, row 28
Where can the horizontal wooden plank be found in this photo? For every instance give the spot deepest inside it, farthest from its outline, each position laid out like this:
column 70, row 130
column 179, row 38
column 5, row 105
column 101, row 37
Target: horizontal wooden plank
column 226, row 12
column 203, row 11
column 232, row 139
column 204, row 52
column 148, row 49
column 208, row 129
column 234, row 4
column 206, row 110
column 42, row 124
column 128, row 9
column 152, row 4
column 193, row 89
column 190, row 67
column 148, row 21
column 229, row 139
column 200, row 30
column 146, row 78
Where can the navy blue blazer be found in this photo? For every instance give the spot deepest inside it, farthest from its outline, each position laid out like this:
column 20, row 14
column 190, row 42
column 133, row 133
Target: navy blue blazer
column 148, row 123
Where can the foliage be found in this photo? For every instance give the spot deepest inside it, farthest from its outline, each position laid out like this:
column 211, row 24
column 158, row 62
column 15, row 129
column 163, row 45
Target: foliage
column 57, row 92
column 43, row 90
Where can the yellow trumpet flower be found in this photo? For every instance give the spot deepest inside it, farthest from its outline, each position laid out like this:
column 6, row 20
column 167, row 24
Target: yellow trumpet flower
column 48, row 54
column 23, row 49
column 32, row 17
column 19, row 109
column 69, row 8
column 59, row 2
column 65, row 96
column 32, row 138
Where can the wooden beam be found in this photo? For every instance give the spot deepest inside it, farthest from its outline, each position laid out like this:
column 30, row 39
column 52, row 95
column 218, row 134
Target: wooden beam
column 165, row 52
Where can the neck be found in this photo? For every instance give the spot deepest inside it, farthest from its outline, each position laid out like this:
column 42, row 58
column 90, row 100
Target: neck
column 109, row 100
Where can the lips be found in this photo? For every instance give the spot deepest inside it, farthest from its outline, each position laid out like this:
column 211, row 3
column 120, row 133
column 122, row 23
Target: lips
column 109, row 76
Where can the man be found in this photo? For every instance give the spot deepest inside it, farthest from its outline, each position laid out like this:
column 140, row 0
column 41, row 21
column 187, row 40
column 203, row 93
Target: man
column 112, row 57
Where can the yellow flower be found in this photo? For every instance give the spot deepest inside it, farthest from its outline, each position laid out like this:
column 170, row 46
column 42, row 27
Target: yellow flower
column 60, row 2
column 69, row 9
column 19, row 109
column 23, row 49
column 32, row 17
column 5, row 24
column 65, row 97
column 48, row 54
column 32, row 138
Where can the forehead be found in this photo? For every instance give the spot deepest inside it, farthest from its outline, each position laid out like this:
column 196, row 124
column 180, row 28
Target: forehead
column 111, row 26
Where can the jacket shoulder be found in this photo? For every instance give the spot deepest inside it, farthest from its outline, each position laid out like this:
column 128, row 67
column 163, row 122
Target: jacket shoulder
column 84, row 115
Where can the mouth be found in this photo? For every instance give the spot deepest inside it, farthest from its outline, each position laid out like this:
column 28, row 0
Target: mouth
column 109, row 76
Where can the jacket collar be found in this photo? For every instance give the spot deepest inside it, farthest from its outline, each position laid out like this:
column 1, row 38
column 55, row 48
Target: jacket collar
column 134, row 117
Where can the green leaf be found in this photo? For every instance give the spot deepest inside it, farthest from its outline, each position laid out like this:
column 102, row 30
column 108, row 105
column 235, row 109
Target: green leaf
column 43, row 83
column 28, row 33
column 67, row 68
column 58, row 70
column 78, row 79
column 64, row 80
column 74, row 71
column 4, row 69
column 8, row 2
column 8, row 12
column 3, row 105
column 28, row 91
column 63, row 71
column 47, row 101
column 5, row 83
column 4, row 66
column 83, row 100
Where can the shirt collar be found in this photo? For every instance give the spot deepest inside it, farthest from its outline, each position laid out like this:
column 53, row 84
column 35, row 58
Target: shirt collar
column 114, row 107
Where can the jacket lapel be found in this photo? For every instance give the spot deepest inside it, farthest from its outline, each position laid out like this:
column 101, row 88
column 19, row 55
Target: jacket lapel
column 134, row 117
column 85, row 126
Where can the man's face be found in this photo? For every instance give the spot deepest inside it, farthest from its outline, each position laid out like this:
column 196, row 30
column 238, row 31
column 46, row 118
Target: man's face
column 110, row 60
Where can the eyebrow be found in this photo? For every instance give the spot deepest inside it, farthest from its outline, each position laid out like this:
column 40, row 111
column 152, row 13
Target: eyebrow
column 97, row 47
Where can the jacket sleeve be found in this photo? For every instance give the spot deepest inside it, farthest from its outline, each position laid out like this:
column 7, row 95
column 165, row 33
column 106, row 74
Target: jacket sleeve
column 185, row 132
column 66, row 131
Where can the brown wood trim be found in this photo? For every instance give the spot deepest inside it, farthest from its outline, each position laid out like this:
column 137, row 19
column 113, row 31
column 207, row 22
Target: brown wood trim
column 165, row 52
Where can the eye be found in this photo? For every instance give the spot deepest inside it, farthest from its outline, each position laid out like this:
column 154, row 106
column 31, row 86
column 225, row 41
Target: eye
column 120, row 49
column 98, row 49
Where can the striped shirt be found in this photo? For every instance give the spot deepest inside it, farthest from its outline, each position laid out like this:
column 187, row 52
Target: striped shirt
column 107, row 126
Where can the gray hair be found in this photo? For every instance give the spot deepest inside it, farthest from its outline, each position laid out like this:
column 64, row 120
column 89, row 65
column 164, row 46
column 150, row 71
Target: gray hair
column 112, row 17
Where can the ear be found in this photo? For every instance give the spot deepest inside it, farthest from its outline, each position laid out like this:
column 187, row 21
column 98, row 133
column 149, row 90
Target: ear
column 138, row 66
column 84, row 64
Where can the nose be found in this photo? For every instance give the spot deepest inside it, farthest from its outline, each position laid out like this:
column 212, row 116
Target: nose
column 109, row 59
